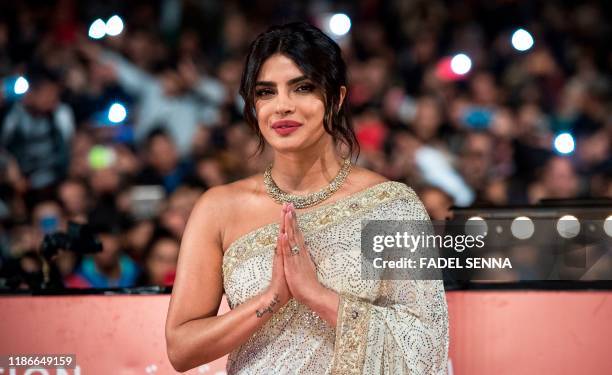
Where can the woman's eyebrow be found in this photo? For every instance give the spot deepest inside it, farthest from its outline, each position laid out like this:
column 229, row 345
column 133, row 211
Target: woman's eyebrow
column 297, row 79
column 290, row 82
column 265, row 83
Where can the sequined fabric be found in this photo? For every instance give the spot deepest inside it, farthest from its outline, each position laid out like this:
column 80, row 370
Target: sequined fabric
column 384, row 327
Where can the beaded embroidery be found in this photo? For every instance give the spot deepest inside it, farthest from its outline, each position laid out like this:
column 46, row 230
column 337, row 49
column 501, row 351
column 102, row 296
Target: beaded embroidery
column 354, row 317
column 297, row 340
column 251, row 243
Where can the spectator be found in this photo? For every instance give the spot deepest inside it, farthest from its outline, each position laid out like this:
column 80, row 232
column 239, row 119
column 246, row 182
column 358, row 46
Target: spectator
column 160, row 259
column 37, row 131
column 475, row 162
column 482, row 137
column 436, row 202
column 107, row 269
column 558, row 180
column 75, row 200
column 174, row 217
column 137, row 237
column 178, row 97
column 163, row 166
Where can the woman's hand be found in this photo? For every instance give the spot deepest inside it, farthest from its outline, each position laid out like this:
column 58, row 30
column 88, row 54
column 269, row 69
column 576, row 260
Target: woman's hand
column 300, row 270
column 278, row 292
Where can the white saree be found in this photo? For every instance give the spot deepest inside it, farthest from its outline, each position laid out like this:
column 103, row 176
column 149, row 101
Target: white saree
column 384, row 327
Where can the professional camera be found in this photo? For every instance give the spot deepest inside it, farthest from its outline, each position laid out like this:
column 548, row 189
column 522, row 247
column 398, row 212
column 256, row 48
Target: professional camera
column 79, row 238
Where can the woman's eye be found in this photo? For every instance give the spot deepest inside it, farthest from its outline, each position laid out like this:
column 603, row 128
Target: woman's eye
column 305, row 88
column 263, row 92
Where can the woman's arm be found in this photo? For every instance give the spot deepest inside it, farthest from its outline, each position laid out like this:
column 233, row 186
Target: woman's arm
column 194, row 333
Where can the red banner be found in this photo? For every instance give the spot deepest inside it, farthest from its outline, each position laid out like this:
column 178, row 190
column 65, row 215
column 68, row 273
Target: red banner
column 500, row 332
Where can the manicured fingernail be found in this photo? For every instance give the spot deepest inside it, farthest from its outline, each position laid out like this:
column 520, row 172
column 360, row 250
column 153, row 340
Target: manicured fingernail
column 290, row 214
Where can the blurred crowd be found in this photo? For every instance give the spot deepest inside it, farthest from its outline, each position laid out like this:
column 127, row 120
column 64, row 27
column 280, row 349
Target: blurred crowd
column 483, row 138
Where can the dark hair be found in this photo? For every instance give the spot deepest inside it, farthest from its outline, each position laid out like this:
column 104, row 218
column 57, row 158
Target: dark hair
column 159, row 234
column 158, row 131
column 39, row 73
column 319, row 58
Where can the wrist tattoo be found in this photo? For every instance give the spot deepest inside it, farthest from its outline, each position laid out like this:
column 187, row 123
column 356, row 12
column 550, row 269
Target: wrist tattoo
column 272, row 303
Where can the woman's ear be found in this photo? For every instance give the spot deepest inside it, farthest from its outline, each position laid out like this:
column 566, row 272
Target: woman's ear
column 342, row 96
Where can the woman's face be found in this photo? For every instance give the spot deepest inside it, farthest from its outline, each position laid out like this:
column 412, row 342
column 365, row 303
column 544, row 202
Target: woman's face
column 162, row 261
column 289, row 106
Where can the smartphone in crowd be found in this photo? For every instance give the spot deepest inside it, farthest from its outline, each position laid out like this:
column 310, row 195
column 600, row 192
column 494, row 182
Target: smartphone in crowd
column 479, row 118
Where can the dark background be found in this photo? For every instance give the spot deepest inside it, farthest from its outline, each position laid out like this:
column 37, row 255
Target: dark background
column 489, row 134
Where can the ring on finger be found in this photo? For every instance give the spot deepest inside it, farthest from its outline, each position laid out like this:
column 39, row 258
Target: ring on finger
column 295, row 250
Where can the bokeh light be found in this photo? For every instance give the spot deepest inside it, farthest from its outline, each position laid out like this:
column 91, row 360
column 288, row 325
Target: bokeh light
column 339, row 24
column 461, row 64
column 114, row 26
column 21, row 86
column 117, row 113
column 607, row 226
column 522, row 40
column 568, row 226
column 564, row 143
column 101, row 157
column 522, row 227
column 97, row 30
column 476, row 226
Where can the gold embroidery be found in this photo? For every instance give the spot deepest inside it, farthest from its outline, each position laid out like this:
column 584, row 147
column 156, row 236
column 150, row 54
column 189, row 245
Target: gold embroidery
column 383, row 195
column 315, row 220
column 268, row 240
column 325, row 219
column 351, row 336
column 296, row 340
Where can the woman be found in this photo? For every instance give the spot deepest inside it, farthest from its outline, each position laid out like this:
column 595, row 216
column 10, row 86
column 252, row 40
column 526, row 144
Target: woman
column 159, row 259
column 284, row 245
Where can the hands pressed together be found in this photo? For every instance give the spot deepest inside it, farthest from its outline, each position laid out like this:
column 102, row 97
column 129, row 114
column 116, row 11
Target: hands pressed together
column 294, row 273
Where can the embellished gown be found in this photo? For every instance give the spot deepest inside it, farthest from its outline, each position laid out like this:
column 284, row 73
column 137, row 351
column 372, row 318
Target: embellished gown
column 383, row 327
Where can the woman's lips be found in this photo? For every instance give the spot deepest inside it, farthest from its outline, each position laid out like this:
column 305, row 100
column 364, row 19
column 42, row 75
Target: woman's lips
column 285, row 127
column 285, row 131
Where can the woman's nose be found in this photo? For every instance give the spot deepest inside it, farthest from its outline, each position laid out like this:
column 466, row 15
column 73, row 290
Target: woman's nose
column 284, row 104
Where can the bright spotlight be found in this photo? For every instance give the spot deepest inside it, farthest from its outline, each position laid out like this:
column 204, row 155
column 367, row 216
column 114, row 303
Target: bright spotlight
column 564, row 143
column 607, row 226
column 522, row 227
column 117, row 113
column 461, row 64
column 568, row 226
column 97, row 30
column 476, row 226
column 522, row 40
column 114, row 26
column 339, row 24
column 21, row 86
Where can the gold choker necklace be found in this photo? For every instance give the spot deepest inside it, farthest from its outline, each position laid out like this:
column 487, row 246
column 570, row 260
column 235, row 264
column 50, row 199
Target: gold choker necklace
column 303, row 201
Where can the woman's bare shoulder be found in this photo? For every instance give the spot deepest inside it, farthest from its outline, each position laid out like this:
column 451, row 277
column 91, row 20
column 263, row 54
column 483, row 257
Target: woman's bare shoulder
column 224, row 197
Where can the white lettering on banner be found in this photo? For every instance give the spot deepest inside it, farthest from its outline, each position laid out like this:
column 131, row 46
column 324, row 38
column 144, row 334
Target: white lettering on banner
column 39, row 371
